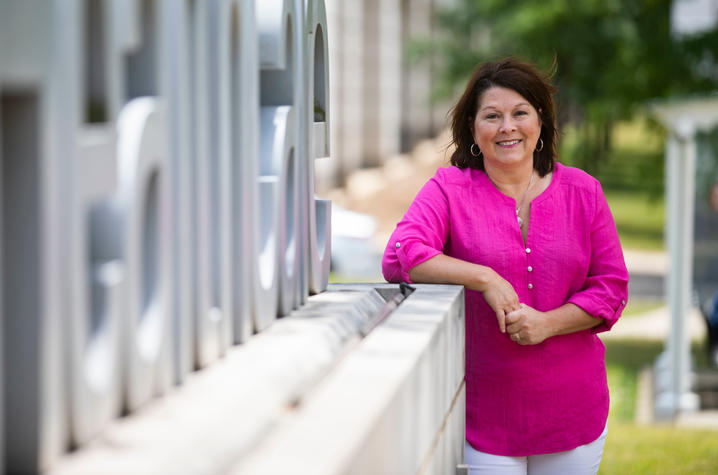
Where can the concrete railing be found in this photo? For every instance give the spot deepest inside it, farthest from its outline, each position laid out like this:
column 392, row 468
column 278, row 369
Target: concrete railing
column 311, row 396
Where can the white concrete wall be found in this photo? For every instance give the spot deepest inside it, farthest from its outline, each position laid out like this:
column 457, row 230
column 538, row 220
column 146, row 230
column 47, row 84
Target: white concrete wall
column 311, row 396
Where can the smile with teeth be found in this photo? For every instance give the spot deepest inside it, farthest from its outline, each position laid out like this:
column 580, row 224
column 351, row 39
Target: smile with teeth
column 508, row 143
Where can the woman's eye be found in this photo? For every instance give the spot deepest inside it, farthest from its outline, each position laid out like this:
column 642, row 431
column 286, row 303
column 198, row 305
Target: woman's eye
column 521, row 113
column 492, row 116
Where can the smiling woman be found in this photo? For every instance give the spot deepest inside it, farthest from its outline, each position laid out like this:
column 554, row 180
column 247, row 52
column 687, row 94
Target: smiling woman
column 506, row 128
column 535, row 246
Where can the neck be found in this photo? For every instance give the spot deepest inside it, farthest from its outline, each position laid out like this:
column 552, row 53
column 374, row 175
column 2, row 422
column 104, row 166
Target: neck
column 510, row 181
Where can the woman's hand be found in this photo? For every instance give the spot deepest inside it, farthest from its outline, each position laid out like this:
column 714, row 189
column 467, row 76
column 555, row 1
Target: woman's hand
column 501, row 297
column 442, row 269
column 527, row 326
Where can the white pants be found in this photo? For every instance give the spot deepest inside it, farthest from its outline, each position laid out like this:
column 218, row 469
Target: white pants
column 583, row 460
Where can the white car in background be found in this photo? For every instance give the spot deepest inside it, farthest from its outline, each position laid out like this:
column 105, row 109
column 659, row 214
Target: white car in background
column 354, row 255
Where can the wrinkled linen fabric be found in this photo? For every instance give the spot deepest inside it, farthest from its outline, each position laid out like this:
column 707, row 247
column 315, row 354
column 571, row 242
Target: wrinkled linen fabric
column 524, row 400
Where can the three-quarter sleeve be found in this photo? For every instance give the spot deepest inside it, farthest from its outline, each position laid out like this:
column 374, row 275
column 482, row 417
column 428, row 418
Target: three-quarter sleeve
column 421, row 234
column 605, row 291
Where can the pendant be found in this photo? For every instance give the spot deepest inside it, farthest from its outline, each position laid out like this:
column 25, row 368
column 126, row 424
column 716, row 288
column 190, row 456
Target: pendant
column 521, row 221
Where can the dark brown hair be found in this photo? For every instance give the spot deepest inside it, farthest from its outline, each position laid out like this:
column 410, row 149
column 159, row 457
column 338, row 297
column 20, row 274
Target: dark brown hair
column 525, row 79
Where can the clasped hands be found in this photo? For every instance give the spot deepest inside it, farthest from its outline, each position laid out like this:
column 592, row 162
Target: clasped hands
column 524, row 324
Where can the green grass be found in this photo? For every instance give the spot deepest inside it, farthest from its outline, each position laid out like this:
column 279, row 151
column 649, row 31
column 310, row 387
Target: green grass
column 639, row 219
column 634, row 163
column 632, row 177
column 624, row 360
column 639, row 306
column 655, row 449
column 632, row 449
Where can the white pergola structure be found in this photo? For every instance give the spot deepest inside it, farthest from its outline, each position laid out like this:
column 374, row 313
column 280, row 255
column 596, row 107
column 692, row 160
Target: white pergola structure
column 683, row 119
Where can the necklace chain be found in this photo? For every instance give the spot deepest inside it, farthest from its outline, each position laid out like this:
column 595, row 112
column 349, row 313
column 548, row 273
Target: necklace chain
column 521, row 203
column 523, row 197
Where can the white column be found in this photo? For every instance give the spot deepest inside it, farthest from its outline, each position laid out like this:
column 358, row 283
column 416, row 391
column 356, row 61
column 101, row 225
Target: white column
column 416, row 111
column 390, row 58
column 382, row 80
column 349, row 86
column 673, row 366
column 371, row 84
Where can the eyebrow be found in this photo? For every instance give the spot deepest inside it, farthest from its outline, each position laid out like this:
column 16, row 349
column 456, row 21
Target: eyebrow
column 494, row 107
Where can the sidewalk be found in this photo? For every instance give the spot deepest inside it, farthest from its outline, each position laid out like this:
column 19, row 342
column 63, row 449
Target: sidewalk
column 646, row 262
column 654, row 324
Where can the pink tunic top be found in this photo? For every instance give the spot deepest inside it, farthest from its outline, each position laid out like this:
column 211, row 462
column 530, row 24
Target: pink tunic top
column 524, row 400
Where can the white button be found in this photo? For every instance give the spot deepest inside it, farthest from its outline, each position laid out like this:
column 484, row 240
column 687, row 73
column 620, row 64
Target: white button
column 398, row 244
column 530, row 269
column 531, row 286
column 528, row 251
column 623, row 302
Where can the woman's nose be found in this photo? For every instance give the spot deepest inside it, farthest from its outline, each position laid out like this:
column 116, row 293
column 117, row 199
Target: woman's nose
column 507, row 124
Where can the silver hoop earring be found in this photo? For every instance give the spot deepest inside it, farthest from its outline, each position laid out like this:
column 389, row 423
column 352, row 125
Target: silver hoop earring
column 538, row 149
column 471, row 149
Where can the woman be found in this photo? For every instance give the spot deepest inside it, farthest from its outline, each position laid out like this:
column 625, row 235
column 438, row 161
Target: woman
column 535, row 246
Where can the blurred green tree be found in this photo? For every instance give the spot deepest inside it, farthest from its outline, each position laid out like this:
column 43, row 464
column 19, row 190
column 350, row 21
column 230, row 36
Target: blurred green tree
column 611, row 57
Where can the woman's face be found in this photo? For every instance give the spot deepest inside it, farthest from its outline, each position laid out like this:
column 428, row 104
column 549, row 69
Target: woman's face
column 713, row 197
column 506, row 128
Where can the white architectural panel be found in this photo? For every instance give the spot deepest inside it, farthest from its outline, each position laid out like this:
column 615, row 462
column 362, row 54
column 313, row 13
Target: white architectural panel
column 279, row 172
column 317, row 215
column 281, row 58
column 35, row 148
column 212, row 319
column 142, row 201
column 239, row 132
column 175, row 83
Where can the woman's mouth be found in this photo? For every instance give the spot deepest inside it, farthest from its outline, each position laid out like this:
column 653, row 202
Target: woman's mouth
column 508, row 143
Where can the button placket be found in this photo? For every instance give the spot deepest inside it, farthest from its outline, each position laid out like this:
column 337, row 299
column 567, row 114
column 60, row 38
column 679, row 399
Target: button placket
column 529, row 268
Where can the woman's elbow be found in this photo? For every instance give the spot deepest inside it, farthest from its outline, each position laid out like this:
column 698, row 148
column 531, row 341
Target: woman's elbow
column 391, row 269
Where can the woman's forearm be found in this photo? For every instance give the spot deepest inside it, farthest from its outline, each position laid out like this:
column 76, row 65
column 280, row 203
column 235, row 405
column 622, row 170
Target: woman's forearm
column 569, row 318
column 497, row 292
column 528, row 326
column 443, row 269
